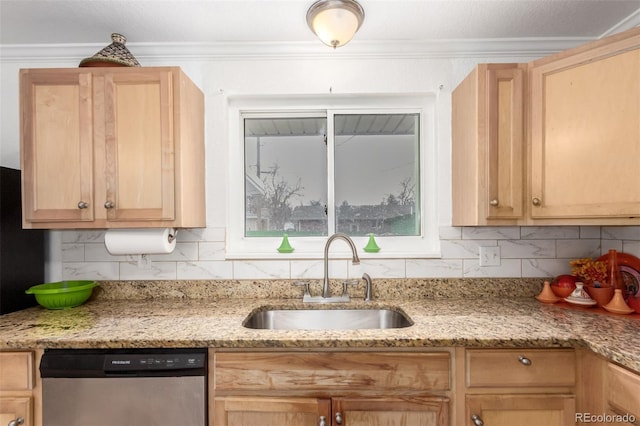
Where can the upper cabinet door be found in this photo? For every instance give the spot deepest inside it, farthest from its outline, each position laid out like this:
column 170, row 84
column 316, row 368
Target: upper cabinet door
column 488, row 146
column 505, row 142
column 139, row 146
column 57, row 146
column 585, row 131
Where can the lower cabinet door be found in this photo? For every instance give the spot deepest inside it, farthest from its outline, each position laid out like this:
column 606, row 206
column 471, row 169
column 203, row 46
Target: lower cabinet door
column 13, row 409
column 263, row 411
column 286, row 411
column 418, row 411
column 520, row 410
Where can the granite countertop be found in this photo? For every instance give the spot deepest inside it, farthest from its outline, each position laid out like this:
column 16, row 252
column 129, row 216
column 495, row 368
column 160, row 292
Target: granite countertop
column 493, row 322
column 192, row 316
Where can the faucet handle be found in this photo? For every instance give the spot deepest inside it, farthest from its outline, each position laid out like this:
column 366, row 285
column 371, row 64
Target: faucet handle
column 346, row 284
column 368, row 287
column 304, row 284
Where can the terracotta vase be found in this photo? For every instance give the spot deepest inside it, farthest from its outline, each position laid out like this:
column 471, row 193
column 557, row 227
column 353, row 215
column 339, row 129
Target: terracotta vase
column 547, row 295
column 613, row 272
column 602, row 295
column 617, row 305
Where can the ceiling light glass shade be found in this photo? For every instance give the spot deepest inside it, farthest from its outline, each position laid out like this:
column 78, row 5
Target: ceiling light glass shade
column 335, row 22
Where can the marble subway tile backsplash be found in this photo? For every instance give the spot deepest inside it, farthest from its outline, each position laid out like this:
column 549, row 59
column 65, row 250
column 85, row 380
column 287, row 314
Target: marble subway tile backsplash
column 525, row 252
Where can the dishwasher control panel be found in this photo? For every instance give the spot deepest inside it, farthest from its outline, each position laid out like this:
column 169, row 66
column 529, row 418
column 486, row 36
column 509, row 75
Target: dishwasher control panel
column 123, row 362
column 128, row 362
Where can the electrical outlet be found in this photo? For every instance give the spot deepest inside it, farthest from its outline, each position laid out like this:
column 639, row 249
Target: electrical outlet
column 490, row 256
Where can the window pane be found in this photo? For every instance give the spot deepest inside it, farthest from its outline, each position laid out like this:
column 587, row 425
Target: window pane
column 377, row 174
column 285, row 176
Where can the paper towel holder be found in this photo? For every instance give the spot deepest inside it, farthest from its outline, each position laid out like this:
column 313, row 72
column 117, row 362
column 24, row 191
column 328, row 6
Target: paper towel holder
column 140, row 241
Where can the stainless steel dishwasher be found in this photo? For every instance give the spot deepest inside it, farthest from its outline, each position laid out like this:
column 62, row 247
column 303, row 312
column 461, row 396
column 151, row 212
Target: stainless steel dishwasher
column 141, row 387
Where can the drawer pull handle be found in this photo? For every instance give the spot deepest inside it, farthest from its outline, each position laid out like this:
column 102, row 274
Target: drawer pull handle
column 108, row 205
column 536, row 201
column 477, row 420
column 494, row 202
column 322, row 421
column 524, row 360
column 338, row 418
column 16, row 422
column 83, row 205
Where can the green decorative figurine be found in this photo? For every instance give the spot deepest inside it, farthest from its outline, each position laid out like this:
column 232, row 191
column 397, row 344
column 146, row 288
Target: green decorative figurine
column 372, row 246
column 285, row 247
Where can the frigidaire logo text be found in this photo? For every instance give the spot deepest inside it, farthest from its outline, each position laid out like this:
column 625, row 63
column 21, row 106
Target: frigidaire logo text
column 121, row 361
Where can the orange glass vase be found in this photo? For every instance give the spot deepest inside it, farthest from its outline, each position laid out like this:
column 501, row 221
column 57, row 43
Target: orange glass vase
column 614, row 277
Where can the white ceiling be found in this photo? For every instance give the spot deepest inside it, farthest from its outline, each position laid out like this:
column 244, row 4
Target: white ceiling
column 29, row 22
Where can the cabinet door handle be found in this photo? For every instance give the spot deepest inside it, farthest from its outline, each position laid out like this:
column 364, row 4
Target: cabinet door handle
column 338, row 418
column 494, row 202
column 524, row 360
column 322, row 421
column 536, row 201
column 16, row 422
column 108, row 205
column 83, row 205
column 477, row 420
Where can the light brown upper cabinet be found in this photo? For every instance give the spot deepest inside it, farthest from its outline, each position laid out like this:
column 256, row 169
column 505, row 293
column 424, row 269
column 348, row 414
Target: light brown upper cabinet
column 488, row 148
column 575, row 161
column 111, row 148
column 585, row 132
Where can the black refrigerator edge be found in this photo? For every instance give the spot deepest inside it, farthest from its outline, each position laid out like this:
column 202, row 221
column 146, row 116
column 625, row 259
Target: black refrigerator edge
column 22, row 251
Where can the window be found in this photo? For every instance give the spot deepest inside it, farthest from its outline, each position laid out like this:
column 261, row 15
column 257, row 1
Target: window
column 376, row 159
column 312, row 172
column 285, row 172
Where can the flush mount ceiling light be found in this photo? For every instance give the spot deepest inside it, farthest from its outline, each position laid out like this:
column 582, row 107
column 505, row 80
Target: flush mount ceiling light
column 335, row 22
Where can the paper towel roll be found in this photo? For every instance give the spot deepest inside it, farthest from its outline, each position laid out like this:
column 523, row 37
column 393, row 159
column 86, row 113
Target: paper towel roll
column 140, row 241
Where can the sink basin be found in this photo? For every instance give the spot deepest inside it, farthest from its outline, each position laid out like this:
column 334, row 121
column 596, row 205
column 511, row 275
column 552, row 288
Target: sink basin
column 327, row 319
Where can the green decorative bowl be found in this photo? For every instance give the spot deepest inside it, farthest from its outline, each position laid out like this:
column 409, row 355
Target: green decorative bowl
column 62, row 294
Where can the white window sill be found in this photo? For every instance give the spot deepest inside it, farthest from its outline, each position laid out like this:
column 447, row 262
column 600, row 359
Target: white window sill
column 313, row 248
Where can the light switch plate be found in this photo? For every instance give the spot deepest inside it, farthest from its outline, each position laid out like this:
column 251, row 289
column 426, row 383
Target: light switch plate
column 490, row 256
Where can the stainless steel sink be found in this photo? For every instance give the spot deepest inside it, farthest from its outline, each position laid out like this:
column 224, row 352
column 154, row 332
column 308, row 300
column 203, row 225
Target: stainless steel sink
column 326, row 319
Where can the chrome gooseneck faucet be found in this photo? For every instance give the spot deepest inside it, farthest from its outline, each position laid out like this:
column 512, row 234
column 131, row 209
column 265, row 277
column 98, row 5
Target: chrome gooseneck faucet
column 326, row 292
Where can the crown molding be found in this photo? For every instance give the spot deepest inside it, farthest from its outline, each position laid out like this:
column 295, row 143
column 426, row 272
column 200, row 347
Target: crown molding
column 629, row 22
column 533, row 47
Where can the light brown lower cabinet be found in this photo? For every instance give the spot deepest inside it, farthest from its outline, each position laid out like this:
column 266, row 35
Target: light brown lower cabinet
column 623, row 395
column 249, row 410
column 16, row 411
column 517, row 387
column 608, row 394
column 520, row 410
column 265, row 411
column 17, row 382
column 330, row 388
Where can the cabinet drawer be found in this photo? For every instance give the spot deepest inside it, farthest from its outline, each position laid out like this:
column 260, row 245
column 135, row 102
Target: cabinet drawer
column 16, row 370
column 331, row 371
column 623, row 390
column 520, row 367
column 14, row 408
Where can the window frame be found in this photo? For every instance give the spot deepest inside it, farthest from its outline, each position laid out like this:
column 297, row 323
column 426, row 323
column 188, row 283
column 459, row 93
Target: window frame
column 424, row 245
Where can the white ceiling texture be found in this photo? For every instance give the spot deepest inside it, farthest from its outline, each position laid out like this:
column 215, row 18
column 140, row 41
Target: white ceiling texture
column 234, row 25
